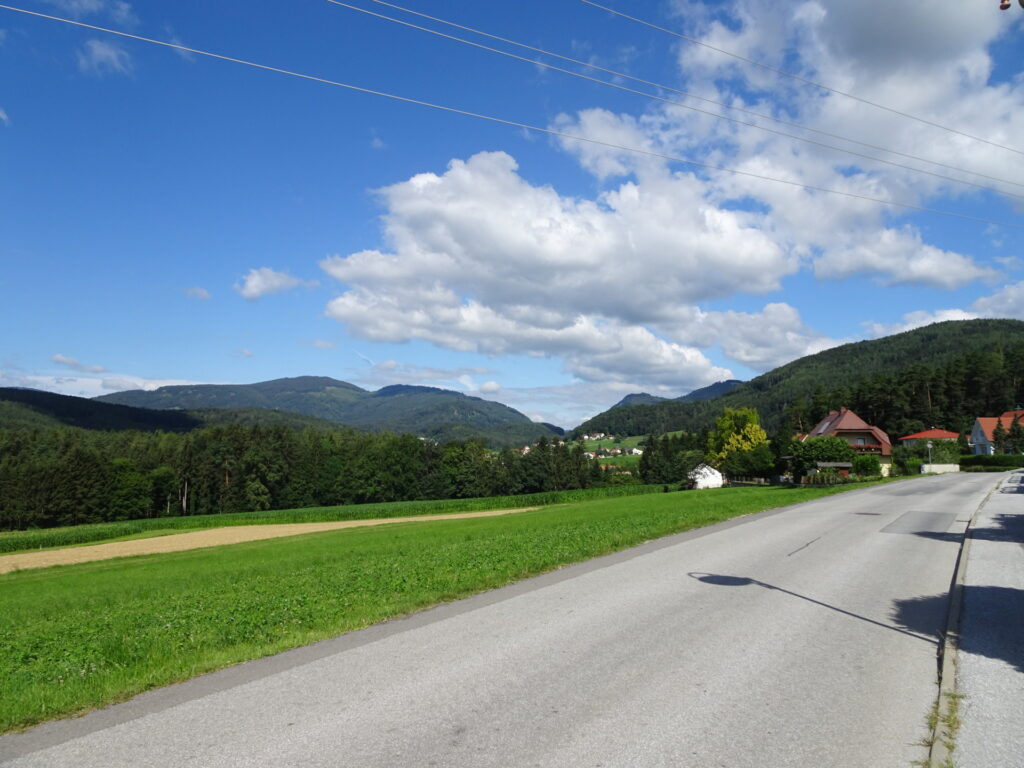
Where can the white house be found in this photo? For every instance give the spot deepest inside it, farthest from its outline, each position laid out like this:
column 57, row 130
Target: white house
column 982, row 439
column 706, row 476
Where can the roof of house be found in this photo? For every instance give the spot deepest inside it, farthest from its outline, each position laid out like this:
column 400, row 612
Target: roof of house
column 844, row 420
column 932, row 434
column 988, row 423
column 704, row 470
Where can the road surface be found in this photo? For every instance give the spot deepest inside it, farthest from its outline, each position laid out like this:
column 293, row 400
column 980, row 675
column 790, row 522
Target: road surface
column 990, row 664
column 804, row 637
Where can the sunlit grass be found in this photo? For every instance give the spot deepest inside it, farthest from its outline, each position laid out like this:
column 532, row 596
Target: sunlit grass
column 76, row 535
column 80, row 636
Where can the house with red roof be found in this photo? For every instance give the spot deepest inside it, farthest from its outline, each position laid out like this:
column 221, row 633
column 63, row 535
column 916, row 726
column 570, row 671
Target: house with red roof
column 929, row 434
column 982, row 440
column 861, row 436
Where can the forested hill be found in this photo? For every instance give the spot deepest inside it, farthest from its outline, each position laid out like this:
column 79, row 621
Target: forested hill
column 943, row 375
column 318, row 396
column 438, row 414
column 709, row 392
column 33, row 408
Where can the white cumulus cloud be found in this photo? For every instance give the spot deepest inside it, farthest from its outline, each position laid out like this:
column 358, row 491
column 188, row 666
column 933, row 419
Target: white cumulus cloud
column 75, row 365
column 116, row 10
column 100, row 57
column 617, row 284
column 899, row 256
column 265, row 281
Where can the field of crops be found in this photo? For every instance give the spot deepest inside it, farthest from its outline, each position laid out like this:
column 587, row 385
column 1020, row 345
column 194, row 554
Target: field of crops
column 76, row 637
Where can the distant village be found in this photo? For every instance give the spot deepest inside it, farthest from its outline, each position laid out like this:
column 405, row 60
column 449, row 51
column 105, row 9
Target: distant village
column 988, row 436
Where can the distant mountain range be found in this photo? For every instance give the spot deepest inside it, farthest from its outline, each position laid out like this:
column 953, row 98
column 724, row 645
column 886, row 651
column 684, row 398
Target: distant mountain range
column 709, row 392
column 438, row 414
column 938, row 375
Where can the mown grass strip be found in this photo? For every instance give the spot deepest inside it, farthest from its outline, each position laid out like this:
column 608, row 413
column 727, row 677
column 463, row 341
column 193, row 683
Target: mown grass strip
column 78, row 637
column 76, row 535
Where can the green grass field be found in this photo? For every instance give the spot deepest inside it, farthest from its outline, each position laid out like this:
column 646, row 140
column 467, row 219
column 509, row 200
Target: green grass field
column 75, row 535
column 77, row 637
column 631, row 463
column 625, row 442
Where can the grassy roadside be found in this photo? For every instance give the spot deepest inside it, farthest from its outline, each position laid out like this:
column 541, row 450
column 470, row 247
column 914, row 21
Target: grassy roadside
column 77, row 535
column 77, row 637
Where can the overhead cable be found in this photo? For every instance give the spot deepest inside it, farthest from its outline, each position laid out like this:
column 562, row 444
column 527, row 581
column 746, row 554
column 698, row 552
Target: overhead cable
column 645, row 94
column 688, row 94
column 784, row 73
column 512, row 123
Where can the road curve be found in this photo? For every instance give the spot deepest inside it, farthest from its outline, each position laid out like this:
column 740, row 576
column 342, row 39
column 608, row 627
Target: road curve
column 803, row 637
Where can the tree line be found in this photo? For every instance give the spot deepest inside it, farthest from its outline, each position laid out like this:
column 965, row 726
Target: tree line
column 69, row 476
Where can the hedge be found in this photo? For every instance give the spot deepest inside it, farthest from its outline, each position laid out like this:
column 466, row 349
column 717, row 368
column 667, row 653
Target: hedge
column 1009, row 460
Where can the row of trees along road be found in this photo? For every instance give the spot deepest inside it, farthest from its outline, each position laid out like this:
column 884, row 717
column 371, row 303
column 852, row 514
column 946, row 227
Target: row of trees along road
column 68, row 476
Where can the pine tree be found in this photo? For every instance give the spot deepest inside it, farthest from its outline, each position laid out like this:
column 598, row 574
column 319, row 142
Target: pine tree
column 1000, row 437
column 1015, row 437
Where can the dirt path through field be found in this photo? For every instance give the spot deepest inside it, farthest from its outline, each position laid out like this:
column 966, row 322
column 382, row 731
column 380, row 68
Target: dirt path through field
column 211, row 537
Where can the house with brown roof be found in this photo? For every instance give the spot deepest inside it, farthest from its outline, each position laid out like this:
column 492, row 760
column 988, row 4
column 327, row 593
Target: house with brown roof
column 982, row 440
column 929, row 434
column 861, row 436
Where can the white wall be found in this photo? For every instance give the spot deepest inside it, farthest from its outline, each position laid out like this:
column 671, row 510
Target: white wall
column 939, row 469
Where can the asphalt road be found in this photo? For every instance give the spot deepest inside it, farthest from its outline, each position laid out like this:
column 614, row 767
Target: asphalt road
column 805, row 637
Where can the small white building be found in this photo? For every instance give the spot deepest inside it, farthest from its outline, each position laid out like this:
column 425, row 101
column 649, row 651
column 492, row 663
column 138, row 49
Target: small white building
column 705, row 476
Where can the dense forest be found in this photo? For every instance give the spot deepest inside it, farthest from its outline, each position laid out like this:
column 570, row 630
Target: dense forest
column 944, row 375
column 68, row 476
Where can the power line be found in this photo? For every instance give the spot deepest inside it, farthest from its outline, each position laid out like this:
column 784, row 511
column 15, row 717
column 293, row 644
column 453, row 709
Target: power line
column 690, row 95
column 513, row 123
column 784, row 73
column 645, row 94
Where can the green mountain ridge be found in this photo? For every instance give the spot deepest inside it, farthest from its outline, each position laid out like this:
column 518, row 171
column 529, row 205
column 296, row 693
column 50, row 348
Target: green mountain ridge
column 22, row 408
column 438, row 414
column 944, row 374
column 35, row 408
column 709, row 392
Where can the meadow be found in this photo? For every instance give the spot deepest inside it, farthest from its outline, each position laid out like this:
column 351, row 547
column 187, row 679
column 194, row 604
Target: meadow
column 93, row 533
column 78, row 637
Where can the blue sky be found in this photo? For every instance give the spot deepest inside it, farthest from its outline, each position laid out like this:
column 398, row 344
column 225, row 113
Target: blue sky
column 166, row 217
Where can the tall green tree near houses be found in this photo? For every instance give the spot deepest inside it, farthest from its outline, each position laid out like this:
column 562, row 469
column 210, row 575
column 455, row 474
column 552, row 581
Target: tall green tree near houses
column 739, row 445
column 806, row 454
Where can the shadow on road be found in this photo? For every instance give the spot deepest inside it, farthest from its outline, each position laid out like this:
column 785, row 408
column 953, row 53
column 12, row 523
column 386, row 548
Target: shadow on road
column 1008, row 528
column 993, row 621
column 742, row 581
